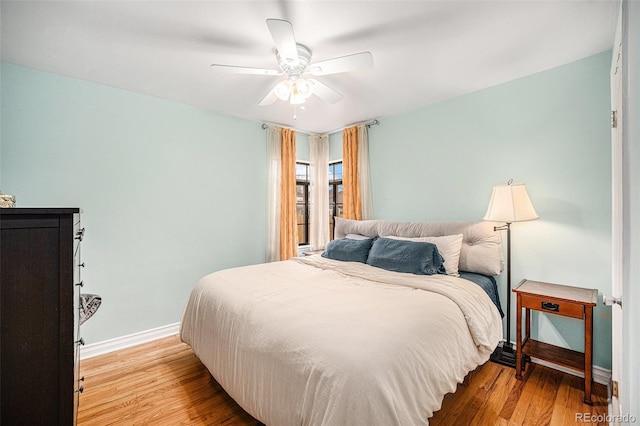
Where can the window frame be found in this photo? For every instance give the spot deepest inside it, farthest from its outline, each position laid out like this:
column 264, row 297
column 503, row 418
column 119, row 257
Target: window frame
column 333, row 202
column 335, row 183
column 306, row 217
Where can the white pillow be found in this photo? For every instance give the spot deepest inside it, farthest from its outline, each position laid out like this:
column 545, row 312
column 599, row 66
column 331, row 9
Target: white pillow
column 448, row 246
column 357, row 237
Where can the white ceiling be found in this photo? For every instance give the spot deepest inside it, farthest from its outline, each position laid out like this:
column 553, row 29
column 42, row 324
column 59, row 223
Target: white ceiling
column 424, row 51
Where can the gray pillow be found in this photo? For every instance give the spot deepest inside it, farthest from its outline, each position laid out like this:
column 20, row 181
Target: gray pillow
column 418, row 258
column 348, row 250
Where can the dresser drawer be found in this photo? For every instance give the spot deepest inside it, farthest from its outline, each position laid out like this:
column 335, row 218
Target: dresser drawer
column 554, row 306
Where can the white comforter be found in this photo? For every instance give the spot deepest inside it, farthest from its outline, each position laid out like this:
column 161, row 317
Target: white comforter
column 312, row 341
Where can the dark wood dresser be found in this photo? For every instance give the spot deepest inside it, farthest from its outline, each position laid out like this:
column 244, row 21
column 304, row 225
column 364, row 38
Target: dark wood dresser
column 37, row 316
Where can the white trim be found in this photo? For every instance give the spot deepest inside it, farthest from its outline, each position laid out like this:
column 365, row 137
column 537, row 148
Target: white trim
column 600, row 375
column 618, row 202
column 112, row 345
column 611, row 406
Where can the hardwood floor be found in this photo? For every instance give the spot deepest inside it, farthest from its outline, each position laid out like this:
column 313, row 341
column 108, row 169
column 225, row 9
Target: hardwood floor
column 163, row 383
column 493, row 396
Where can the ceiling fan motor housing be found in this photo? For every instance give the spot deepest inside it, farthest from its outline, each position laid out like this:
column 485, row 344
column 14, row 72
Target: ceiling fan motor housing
column 294, row 69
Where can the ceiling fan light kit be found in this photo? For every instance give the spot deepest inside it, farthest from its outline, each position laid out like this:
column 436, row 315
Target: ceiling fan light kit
column 296, row 91
column 294, row 61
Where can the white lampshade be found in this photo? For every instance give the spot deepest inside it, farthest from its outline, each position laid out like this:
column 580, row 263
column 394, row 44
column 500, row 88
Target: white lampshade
column 304, row 87
column 510, row 203
column 283, row 90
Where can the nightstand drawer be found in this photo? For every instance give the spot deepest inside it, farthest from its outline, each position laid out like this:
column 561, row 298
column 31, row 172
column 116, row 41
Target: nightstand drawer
column 553, row 306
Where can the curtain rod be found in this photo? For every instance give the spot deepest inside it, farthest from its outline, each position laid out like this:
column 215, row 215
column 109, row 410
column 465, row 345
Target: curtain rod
column 373, row 122
column 370, row 123
column 304, row 132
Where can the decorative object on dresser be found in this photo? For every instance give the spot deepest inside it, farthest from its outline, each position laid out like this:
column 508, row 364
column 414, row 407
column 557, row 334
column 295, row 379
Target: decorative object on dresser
column 37, row 316
column 509, row 203
column 89, row 304
column 7, row 200
column 573, row 302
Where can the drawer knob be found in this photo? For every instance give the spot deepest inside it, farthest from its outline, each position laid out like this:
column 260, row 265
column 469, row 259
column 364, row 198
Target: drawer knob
column 548, row 306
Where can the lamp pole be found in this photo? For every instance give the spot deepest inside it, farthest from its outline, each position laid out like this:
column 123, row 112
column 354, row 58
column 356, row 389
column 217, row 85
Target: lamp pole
column 504, row 354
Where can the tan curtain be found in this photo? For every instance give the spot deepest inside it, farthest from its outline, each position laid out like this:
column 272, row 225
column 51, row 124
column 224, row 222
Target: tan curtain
column 352, row 202
column 288, row 219
column 319, row 200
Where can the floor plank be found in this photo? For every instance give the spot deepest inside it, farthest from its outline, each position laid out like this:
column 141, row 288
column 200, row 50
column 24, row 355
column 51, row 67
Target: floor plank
column 164, row 383
column 159, row 383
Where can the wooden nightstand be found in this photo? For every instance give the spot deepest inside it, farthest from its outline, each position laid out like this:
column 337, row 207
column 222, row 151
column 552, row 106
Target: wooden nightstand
column 573, row 302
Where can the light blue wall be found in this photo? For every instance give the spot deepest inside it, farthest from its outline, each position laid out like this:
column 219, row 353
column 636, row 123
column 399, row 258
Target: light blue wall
column 168, row 192
column 335, row 146
column 550, row 131
column 302, row 147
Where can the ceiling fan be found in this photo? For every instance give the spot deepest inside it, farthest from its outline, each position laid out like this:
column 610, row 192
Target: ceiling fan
column 294, row 61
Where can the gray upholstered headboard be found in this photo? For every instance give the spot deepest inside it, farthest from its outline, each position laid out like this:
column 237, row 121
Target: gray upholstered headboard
column 481, row 246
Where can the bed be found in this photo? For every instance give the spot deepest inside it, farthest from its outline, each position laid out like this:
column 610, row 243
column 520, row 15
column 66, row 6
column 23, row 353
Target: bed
column 320, row 341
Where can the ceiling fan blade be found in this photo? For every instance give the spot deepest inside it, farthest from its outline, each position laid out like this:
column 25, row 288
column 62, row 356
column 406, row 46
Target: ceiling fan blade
column 282, row 34
column 231, row 69
column 342, row 64
column 325, row 92
column 269, row 98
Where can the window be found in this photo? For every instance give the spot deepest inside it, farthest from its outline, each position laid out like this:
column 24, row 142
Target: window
column 302, row 202
column 303, row 207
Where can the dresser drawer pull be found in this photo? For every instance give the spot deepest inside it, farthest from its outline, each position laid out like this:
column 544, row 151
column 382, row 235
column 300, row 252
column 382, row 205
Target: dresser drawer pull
column 548, row 306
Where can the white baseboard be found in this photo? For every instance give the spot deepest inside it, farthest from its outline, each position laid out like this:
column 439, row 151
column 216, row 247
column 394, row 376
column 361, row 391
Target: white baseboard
column 600, row 375
column 112, row 345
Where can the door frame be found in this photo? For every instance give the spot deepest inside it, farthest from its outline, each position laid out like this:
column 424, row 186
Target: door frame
column 617, row 212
